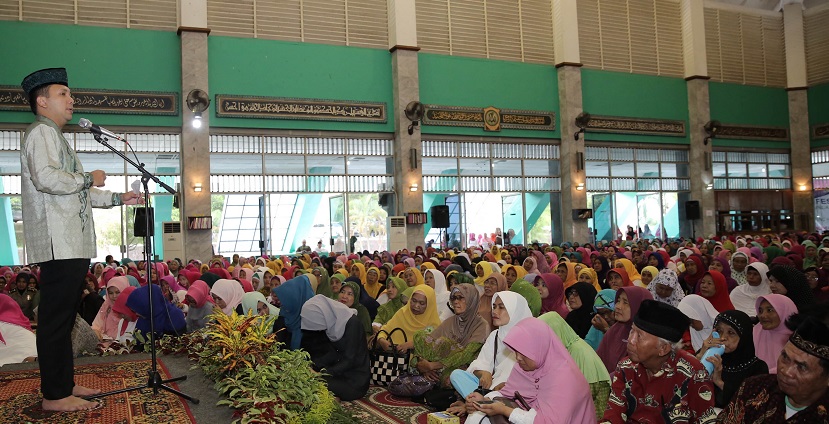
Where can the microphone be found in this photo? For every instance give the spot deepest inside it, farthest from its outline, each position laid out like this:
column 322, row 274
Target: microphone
column 87, row 124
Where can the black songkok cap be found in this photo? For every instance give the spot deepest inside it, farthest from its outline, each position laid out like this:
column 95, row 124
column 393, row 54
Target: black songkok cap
column 661, row 320
column 812, row 337
column 44, row 77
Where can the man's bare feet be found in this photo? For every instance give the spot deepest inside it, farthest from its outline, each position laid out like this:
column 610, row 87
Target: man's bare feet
column 81, row 391
column 69, row 404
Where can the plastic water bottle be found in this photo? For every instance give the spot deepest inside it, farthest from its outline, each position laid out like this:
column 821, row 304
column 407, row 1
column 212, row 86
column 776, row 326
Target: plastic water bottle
column 716, row 350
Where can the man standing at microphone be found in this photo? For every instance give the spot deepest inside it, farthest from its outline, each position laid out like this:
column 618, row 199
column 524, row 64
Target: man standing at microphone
column 57, row 199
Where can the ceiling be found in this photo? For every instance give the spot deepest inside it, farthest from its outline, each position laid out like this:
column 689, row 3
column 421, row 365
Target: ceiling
column 772, row 4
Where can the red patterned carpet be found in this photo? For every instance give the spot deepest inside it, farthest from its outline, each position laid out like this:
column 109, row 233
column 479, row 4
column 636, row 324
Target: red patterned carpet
column 380, row 407
column 20, row 397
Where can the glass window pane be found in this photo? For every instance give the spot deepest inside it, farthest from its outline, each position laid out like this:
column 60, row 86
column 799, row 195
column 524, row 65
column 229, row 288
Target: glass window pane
column 737, row 157
column 676, row 170
column 719, row 170
column 368, row 165
column 622, row 169
column 440, row 166
column 649, row 155
column 506, row 167
column 475, row 166
column 757, row 170
column 647, row 169
column 541, row 167
column 326, row 165
column 105, row 161
column 736, row 169
column 10, row 162
column 820, row 170
column 776, row 170
column 596, row 169
column 284, row 164
column 235, row 164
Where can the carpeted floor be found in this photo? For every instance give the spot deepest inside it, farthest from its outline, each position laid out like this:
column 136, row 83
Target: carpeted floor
column 380, row 407
column 21, row 400
column 20, row 397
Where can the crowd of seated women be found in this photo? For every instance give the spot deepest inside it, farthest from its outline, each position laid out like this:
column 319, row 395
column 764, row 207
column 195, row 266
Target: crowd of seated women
column 550, row 322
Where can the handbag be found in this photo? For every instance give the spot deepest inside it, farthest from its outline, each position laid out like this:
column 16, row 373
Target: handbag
column 387, row 366
column 410, row 385
column 519, row 403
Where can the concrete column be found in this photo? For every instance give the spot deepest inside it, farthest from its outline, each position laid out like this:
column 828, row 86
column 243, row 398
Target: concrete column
column 702, row 176
column 572, row 155
column 406, row 148
column 796, row 82
column 195, row 142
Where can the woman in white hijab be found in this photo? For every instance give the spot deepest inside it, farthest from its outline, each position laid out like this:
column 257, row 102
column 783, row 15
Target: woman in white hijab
column 744, row 296
column 437, row 281
column 334, row 338
column 227, row 294
column 702, row 314
column 495, row 361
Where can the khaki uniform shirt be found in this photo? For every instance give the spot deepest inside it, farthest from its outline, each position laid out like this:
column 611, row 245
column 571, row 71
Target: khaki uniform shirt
column 56, row 196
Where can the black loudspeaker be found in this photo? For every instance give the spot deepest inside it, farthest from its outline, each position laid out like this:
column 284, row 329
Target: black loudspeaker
column 440, row 216
column 139, row 228
column 692, row 210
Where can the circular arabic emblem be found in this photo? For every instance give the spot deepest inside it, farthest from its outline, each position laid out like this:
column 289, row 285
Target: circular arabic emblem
column 491, row 118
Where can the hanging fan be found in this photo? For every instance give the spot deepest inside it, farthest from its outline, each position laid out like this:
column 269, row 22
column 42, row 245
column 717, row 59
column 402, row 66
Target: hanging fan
column 197, row 101
column 414, row 112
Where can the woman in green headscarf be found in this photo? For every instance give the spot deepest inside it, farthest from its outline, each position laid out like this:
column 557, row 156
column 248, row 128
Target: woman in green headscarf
column 335, row 281
column 585, row 357
column 324, row 287
column 350, row 296
column 394, row 289
column 526, row 289
column 772, row 252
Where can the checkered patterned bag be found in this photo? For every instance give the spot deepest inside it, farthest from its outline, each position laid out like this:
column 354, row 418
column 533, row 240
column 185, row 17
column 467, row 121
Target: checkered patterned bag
column 387, row 366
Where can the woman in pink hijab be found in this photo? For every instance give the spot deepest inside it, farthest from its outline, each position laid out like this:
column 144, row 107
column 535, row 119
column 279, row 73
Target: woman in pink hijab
column 106, row 322
column 771, row 333
column 541, row 262
column 551, row 289
column 544, row 375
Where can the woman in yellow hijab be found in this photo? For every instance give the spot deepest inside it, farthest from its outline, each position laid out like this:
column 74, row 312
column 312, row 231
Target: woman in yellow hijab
column 358, row 270
column 635, row 277
column 513, row 273
column 483, row 271
column 567, row 272
column 419, row 313
column 588, row 275
column 372, row 283
column 413, row 277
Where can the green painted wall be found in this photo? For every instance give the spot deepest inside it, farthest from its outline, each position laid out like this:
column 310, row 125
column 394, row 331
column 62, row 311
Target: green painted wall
column 462, row 81
column 635, row 96
column 819, row 110
column 301, row 70
column 749, row 105
column 95, row 57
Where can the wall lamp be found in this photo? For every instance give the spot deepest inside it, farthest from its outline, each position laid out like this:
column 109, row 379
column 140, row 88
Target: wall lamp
column 710, row 186
column 711, row 129
column 580, row 186
column 582, row 121
column 413, row 187
column 197, row 187
column 802, row 187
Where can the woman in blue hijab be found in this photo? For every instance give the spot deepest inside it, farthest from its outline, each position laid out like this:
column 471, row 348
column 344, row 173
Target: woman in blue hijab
column 290, row 296
column 167, row 318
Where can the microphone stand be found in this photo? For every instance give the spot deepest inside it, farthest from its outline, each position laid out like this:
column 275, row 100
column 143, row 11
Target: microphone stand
column 154, row 381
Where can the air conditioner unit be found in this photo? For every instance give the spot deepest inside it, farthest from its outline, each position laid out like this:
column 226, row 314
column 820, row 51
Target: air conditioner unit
column 173, row 241
column 397, row 233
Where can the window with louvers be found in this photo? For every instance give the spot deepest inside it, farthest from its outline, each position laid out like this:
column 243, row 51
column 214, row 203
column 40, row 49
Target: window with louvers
column 140, row 14
column 816, row 29
column 636, row 36
column 516, row 30
column 744, row 48
column 360, row 23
